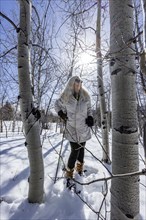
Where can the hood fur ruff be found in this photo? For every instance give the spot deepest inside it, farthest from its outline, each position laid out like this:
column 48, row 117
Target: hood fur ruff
column 68, row 90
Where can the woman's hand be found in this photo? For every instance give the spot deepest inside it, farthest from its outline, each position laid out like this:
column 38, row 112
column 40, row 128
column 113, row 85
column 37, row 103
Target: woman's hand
column 62, row 115
column 89, row 121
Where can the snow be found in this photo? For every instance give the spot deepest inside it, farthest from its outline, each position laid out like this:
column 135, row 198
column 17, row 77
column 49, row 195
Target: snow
column 60, row 204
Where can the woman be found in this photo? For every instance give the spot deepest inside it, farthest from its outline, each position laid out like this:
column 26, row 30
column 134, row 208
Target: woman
column 74, row 107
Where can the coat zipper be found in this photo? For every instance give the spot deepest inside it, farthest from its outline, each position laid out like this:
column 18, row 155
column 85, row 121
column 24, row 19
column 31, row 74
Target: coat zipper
column 75, row 121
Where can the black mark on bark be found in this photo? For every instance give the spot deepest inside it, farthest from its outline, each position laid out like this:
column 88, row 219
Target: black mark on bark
column 112, row 62
column 19, row 97
column 126, row 130
column 131, row 71
column 103, row 122
column 131, row 6
column 18, row 29
column 129, row 216
column 116, row 71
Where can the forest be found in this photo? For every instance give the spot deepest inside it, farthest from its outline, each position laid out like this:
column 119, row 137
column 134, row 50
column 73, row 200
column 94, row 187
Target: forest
column 73, row 109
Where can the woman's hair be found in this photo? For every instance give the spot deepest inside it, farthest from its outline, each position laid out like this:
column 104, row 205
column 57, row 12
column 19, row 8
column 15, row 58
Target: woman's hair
column 69, row 89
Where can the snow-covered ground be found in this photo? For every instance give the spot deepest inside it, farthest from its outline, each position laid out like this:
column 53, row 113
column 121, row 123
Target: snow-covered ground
column 60, row 204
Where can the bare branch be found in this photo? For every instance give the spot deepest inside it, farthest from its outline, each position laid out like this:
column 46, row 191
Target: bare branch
column 143, row 172
column 104, row 198
column 45, row 49
column 15, row 47
column 36, row 14
column 85, row 10
column 9, row 20
column 85, row 28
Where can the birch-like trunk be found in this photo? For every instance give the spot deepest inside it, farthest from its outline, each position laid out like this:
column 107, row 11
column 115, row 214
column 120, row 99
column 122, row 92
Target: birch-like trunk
column 103, row 108
column 124, row 192
column 28, row 112
column 143, row 54
column 14, row 118
column 144, row 139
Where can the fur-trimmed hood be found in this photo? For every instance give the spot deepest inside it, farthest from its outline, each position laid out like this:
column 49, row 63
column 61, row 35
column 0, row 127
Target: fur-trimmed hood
column 77, row 111
column 69, row 90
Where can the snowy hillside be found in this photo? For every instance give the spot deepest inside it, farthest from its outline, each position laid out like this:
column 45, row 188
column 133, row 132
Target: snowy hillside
column 60, row 204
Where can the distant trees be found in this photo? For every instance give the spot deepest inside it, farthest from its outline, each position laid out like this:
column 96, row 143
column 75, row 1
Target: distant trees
column 6, row 112
column 43, row 64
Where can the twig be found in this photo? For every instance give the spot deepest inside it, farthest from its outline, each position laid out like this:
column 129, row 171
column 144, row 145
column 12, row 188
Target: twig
column 143, row 172
column 101, row 145
column 56, row 151
column 143, row 185
column 104, row 198
column 8, row 51
column 90, row 153
column 89, row 206
column 99, row 161
column 8, row 19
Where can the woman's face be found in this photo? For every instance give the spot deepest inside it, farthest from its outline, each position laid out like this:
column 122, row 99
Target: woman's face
column 77, row 87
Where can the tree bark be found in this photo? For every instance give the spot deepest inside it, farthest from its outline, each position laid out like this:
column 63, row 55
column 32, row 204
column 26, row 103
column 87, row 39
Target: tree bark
column 1, row 125
column 143, row 54
column 30, row 116
column 144, row 22
column 14, row 117
column 144, row 139
column 103, row 108
column 125, row 159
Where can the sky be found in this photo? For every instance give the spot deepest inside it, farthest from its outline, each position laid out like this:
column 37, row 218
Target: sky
column 11, row 9
column 9, row 6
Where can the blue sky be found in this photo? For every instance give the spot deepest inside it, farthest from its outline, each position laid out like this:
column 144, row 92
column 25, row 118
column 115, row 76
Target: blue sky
column 8, row 5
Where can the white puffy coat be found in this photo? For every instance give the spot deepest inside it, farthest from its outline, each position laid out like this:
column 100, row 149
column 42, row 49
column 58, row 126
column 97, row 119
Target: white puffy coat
column 77, row 111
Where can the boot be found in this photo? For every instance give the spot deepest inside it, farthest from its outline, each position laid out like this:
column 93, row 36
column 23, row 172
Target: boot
column 69, row 173
column 79, row 167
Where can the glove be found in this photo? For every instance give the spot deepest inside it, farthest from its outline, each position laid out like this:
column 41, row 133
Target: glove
column 62, row 115
column 89, row 121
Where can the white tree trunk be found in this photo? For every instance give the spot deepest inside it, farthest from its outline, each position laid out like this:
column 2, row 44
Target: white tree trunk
column 143, row 54
column 28, row 112
column 144, row 139
column 103, row 108
column 124, row 192
column 14, row 118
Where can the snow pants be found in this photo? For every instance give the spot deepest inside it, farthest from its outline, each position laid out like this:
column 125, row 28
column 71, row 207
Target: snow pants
column 77, row 154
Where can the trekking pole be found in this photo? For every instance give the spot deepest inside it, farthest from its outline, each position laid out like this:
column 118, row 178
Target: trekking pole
column 101, row 145
column 59, row 156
